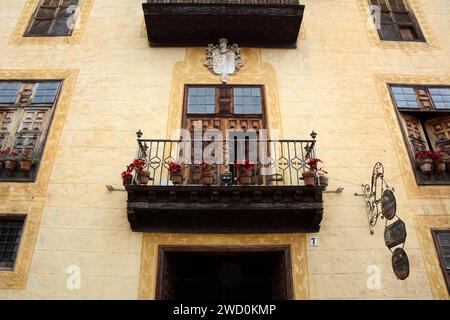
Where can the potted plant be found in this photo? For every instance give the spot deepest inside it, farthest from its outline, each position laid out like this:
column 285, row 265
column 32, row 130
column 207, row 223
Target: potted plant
column 310, row 176
column 176, row 172
column 3, row 153
column 143, row 175
column 206, row 173
column 446, row 160
column 26, row 159
column 127, row 177
column 245, row 169
column 424, row 160
column 11, row 160
column 323, row 179
column 439, row 161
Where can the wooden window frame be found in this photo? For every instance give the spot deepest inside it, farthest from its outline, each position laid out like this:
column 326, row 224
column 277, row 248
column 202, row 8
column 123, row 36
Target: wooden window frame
column 52, row 24
column 216, row 101
column 397, row 24
column 423, row 115
column 20, row 111
column 445, row 272
column 163, row 249
column 23, row 218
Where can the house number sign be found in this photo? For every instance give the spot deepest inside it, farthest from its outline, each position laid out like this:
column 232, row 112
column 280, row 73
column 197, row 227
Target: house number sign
column 380, row 201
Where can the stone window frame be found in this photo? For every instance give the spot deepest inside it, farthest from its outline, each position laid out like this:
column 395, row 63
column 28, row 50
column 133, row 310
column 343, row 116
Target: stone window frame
column 18, row 36
column 421, row 19
column 28, row 198
column 21, row 109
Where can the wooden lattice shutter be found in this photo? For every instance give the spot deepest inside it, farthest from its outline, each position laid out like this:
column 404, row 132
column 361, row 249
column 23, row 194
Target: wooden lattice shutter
column 32, row 128
column 439, row 133
column 6, row 122
column 416, row 136
column 424, row 99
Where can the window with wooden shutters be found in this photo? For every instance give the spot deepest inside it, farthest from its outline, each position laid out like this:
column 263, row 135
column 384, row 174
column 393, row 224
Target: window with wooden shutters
column 26, row 110
column 397, row 21
column 11, row 228
column 442, row 243
column 52, row 18
column 424, row 113
column 229, row 109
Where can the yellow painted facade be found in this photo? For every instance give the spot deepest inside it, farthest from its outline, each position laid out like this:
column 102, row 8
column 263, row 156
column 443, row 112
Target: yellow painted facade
column 334, row 83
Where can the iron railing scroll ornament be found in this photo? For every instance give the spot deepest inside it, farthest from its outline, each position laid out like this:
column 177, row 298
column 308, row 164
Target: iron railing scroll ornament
column 380, row 202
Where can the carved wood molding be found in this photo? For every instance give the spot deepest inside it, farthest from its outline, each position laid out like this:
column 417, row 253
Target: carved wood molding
column 225, row 209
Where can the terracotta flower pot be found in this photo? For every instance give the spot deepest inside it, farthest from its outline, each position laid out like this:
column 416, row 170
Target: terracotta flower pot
column 207, row 179
column 245, row 179
column 25, row 165
column 10, row 165
column 323, row 181
column 127, row 181
column 176, row 178
column 425, row 165
column 143, row 177
column 439, row 166
column 309, row 177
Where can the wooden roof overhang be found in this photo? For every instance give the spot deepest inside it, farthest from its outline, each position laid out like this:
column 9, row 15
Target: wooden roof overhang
column 249, row 23
column 225, row 209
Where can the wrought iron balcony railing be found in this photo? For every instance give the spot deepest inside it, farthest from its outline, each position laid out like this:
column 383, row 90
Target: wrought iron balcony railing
column 267, row 162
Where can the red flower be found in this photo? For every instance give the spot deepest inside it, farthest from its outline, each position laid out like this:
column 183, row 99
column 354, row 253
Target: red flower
column 245, row 165
column 175, row 167
column 313, row 163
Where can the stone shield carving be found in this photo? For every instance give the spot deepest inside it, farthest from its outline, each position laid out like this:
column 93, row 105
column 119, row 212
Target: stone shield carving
column 223, row 59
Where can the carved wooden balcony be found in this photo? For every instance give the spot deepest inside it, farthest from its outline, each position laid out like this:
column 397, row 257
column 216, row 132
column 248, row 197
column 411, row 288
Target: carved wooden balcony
column 249, row 23
column 275, row 201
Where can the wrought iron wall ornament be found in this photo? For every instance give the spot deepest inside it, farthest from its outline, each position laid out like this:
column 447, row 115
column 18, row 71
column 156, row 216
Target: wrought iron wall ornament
column 223, row 59
column 380, row 199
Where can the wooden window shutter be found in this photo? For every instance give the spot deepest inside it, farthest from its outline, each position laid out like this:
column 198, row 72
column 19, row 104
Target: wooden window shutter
column 424, row 99
column 416, row 135
column 225, row 96
column 33, row 126
column 6, row 122
column 439, row 133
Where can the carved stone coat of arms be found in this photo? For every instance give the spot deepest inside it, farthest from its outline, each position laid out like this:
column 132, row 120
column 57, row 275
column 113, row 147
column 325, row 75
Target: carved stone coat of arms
column 223, row 59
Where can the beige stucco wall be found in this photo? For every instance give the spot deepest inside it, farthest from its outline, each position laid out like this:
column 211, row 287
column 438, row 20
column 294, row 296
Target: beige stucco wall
column 331, row 84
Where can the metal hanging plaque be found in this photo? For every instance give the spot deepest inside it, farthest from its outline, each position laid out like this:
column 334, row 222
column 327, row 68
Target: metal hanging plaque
column 395, row 234
column 400, row 264
column 388, row 204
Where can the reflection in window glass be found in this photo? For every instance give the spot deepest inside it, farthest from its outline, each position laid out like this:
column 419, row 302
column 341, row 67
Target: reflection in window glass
column 46, row 92
column 247, row 100
column 201, row 100
column 405, row 97
column 441, row 97
column 8, row 91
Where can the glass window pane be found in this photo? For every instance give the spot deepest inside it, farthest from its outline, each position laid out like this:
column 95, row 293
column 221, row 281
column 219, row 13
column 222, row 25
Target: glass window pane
column 413, row 104
column 440, row 105
column 443, row 239
column 192, row 91
column 8, row 91
column 399, row 97
column 201, row 100
column 397, row 90
column 255, row 92
column 408, row 90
